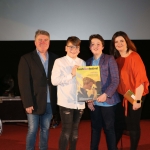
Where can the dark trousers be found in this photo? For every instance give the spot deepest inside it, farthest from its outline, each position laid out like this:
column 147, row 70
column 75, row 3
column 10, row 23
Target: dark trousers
column 130, row 123
column 70, row 119
column 103, row 117
column 120, row 125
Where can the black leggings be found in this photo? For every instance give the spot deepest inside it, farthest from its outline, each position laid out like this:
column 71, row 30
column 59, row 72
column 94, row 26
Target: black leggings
column 131, row 122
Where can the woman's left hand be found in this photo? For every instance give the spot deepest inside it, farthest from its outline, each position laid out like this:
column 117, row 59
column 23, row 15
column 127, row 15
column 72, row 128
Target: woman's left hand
column 136, row 105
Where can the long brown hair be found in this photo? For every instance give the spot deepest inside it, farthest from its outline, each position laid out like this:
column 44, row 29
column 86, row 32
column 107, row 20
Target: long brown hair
column 130, row 44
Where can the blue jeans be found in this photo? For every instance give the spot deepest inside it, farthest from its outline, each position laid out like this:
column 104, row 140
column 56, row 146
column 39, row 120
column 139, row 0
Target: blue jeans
column 103, row 117
column 70, row 119
column 34, row 121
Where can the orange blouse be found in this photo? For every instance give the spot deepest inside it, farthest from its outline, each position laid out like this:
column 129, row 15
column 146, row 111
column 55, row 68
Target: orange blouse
column 132, row 73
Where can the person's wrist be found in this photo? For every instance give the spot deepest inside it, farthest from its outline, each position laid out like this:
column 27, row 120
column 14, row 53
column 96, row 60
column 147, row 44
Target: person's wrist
column 138, row 101
column 107, row 95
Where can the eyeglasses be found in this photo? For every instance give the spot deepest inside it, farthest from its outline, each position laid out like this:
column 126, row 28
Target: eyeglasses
column 74, row 47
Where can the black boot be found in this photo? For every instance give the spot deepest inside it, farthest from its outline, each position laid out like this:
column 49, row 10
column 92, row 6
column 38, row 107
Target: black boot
column 134, row 139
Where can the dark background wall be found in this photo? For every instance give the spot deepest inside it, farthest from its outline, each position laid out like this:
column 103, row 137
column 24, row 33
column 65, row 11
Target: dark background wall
column 11, row 51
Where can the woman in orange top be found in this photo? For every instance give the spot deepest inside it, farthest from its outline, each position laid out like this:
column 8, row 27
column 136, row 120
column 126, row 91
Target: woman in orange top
column 132, row 76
